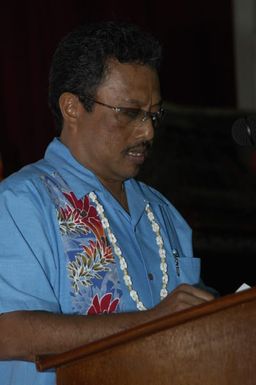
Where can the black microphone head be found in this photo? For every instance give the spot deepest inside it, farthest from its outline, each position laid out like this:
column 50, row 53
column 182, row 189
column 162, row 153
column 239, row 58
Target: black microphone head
column 244, row 131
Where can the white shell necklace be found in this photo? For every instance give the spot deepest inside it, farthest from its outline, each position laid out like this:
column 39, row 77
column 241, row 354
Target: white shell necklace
column 118, row 252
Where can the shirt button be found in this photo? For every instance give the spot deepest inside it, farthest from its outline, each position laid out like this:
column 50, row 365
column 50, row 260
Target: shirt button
column 150, row 276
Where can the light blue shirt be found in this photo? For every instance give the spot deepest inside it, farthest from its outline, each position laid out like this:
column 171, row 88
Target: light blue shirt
column 38, row 254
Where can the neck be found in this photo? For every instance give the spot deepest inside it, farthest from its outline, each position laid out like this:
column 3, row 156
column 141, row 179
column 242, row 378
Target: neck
column 117, row 189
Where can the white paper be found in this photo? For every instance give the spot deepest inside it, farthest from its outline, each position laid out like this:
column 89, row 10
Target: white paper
column 244, row 286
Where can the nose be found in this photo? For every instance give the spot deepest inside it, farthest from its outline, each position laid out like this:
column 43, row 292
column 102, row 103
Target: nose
column 145, row 129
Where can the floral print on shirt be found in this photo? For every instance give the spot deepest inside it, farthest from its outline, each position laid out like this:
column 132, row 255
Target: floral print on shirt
column 90, row 262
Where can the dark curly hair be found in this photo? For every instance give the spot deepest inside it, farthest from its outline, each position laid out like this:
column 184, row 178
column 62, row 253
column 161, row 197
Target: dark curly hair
column 80, row 61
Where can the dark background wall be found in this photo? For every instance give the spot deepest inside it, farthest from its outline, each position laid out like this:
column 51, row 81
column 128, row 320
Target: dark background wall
column 200, row 173
column 197, row 69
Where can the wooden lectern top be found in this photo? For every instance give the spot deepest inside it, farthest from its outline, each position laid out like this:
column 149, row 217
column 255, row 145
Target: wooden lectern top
column 210, row 344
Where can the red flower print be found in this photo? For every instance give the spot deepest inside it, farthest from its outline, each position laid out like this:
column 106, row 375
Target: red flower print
column 70, row 221
column 99, row 249
column 103, row 305
column 83, row 204
column 87, row 213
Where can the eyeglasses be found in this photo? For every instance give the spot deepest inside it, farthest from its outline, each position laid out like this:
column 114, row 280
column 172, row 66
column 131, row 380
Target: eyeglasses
column 128, row 115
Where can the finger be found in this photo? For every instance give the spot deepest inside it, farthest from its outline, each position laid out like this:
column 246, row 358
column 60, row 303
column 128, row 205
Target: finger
column 195, row 292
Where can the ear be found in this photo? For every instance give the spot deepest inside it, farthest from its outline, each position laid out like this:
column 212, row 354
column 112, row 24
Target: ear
column 69, row 106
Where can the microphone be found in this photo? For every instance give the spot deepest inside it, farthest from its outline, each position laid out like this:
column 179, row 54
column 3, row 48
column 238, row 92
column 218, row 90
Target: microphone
column 244, row 131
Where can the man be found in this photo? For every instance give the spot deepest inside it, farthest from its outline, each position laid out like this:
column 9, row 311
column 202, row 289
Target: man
column 79, row 236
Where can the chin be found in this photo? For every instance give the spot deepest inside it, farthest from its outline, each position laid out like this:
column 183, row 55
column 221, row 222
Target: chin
column 131, row 173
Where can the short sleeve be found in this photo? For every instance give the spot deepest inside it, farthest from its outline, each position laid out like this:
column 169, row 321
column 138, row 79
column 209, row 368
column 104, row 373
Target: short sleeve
column 28, row 270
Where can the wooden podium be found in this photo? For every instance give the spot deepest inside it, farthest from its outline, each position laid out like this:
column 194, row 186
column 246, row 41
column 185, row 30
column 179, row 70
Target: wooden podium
column 210, row 344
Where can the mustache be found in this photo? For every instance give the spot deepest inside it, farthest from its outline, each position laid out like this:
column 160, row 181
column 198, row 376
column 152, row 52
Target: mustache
column 144, row 147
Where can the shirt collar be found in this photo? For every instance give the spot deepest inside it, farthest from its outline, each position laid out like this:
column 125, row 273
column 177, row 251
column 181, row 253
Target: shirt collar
column 139, row 195
column 79, row 178
column 82, row 181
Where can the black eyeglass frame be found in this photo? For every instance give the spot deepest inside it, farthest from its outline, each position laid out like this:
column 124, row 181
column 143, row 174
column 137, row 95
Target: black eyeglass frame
column 155, row 117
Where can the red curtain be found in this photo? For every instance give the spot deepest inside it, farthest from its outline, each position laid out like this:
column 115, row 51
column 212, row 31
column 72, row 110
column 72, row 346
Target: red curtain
column 195, row 36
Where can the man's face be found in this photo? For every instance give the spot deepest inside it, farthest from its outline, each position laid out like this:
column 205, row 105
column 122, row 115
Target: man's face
column 104, row 144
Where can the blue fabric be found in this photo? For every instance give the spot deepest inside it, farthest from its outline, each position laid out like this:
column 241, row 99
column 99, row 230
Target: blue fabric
column 33, row 264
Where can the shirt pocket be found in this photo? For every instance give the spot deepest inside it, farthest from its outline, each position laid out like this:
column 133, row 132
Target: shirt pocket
column 186, row 269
